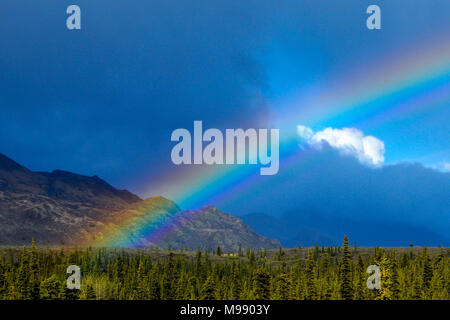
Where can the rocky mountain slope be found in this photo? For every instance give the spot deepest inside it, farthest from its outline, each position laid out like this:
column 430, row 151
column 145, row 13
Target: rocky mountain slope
column 210, row 227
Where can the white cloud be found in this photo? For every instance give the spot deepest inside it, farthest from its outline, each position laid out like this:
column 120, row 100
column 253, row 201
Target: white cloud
column 304, row 132
column 447, row 166
column 367, row 149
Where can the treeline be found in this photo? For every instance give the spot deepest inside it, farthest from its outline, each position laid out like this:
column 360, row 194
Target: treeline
column 285, row 274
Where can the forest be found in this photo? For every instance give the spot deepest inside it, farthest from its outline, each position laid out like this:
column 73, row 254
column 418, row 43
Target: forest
column 317, row 273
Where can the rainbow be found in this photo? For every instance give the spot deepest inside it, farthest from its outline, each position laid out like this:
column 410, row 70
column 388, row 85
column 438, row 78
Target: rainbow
column 143, row 225
column 401, row 85
column 405, row 85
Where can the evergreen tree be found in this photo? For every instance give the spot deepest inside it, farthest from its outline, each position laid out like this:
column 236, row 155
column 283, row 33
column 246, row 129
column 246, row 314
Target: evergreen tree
column 68, row 294
column 34, row 273
column 235, row 290
column 23, row 279
column 49, row 288
column 360, row 281
column 283, row 287
column 310, row 288
column 389, row 278
column 3, row 279
column 346, row 288
column 119, row 273
column 208, row 289
column 261, row 284
column 416, row 283
column 240, row 254
column 169, row 279
column 154, row 289
column 181, row 287
column 394, row 285
column 141, row 288
column 90, row 292
column 427, row 273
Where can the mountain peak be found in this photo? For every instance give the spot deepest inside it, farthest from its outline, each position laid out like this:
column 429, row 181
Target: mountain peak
column 160, row 202
column 209, row 227
column 9, row 164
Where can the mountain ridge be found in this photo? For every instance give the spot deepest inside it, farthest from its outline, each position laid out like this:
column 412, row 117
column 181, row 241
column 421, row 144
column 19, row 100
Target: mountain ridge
column 64, row 208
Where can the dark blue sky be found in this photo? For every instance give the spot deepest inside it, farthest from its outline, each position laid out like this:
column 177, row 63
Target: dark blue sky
column 104, row 100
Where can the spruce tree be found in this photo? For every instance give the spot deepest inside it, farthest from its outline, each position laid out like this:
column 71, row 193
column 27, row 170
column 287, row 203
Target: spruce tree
column 394, row 281
column 181, row 287
column 346, row 288
column 90, row 292
column 310, row 288
column 49, row 288
column 208, row 289
column 283, row 287
column 23, row 279
column 154, row 289
column 119, row 273
column 141, row 288
column 427, row 273
column 34, row 273
column 261, row 284
column 235, row 290
column 3, row 279
column 360, row 281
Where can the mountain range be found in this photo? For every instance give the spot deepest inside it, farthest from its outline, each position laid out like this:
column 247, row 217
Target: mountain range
column 65, row 209
column 371, row 206
column 330, row 195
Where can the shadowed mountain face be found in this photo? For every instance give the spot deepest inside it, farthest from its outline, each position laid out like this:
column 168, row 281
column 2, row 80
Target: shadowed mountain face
column 62, row 185
column 159, row 222
column 62, row 208
column 393, row 205
column 54, row 208
column 295, row 229
column 209, row 227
